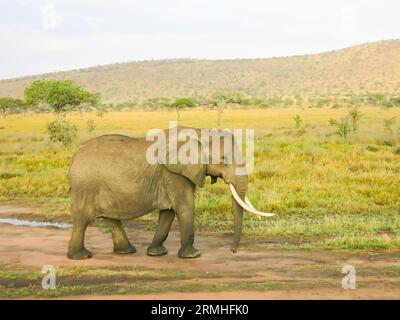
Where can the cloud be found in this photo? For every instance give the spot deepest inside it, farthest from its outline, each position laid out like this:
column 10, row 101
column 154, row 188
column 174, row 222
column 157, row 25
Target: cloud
column 46, row 35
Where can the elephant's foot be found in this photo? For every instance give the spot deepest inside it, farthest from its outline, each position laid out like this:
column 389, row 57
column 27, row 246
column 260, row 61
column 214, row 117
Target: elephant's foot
column 157, row 250
column 79, row 254
column 125, row 248
column 188, row 253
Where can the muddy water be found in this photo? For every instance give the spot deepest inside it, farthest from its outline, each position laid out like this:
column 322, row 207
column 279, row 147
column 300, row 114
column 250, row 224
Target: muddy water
column 27, row 223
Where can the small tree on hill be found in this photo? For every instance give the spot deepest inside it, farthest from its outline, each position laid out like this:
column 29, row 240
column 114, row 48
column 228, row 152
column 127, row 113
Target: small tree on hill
column 11, row 105
column 157, row 103
column 182, row 103
column 218, row 101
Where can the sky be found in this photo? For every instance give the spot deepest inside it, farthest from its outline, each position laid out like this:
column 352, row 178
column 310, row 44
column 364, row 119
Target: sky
column 39, row 36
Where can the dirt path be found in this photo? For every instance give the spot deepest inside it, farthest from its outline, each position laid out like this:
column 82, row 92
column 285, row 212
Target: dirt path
column 260, row 270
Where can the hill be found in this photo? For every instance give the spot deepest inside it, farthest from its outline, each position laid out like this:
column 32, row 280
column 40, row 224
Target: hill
column 373, row 67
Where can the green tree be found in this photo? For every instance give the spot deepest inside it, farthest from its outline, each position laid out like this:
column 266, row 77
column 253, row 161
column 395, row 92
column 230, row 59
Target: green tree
column 61, row 95
column 376, row 99
column 11, row 105
column 218, row 101
column 157, row 103
column 182, row 103
column 395, row 101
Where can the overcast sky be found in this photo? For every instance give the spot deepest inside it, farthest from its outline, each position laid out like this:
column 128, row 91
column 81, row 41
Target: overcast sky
column 40, row 36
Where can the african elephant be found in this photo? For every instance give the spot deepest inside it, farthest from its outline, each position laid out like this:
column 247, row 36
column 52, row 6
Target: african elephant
column 111, row 178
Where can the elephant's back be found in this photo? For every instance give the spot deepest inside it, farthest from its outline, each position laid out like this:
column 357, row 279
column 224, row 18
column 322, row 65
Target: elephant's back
column 108, row 156
column 107, row 141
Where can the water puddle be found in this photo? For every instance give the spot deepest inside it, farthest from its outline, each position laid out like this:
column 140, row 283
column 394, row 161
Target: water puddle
column 27, row 223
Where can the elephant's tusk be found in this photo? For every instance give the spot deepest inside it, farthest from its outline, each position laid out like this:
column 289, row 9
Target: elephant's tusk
column 247, row 200
column 247, row 206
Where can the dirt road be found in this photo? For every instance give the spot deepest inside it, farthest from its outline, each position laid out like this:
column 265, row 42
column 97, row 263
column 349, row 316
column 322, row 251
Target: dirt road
column 260, row 270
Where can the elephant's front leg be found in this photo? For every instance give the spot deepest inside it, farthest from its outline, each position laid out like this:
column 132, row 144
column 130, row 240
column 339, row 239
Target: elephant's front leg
column 165, row 219
column 185, row 212
column 181, row 194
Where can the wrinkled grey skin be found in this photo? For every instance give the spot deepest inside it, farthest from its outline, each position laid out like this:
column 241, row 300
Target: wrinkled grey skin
column 111, row 179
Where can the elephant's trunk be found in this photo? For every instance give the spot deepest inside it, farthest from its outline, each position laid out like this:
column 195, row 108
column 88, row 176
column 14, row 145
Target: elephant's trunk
column 240, row 201
column 241, row 188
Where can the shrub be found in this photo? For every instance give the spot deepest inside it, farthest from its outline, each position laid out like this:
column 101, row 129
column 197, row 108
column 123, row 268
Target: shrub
column 388, row 142
column 61, row 131
column 396, row 150
column 372, row 148
column 11, row 105
column 355, row 116
column 298, row 121
column 388, row 124
column 343, row 128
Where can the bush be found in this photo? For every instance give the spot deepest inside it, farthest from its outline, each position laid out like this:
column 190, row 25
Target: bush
column 355, row 116
column 388, row 124
column 298, row 121
column 91, row 125
column 61, row 131
column 372, row 148
column 388, row 142
column 396, row 150
column 343, row 128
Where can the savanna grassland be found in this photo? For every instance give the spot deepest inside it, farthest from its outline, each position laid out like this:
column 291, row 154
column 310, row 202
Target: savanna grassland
column 327, row 191
column 327, row 163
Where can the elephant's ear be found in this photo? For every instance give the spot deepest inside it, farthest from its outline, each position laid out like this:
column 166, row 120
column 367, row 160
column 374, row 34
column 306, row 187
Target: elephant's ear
column 194, row 172
column 187, row 160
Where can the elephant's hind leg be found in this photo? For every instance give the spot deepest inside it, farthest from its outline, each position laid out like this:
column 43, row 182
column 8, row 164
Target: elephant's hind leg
column 165, row 219
column 121, row 242
column 76, row 248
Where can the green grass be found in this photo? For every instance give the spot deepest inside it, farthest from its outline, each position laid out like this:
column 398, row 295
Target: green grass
column 327, row 192
column 110, row 280
column 107, row 280
column 72, row 281
column 121, row 289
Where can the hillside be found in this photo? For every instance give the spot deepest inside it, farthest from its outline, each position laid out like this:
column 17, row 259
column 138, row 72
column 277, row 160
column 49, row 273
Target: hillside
column 373, row 67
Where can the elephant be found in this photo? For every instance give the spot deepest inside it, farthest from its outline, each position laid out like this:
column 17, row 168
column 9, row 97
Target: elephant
column 111, row 178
